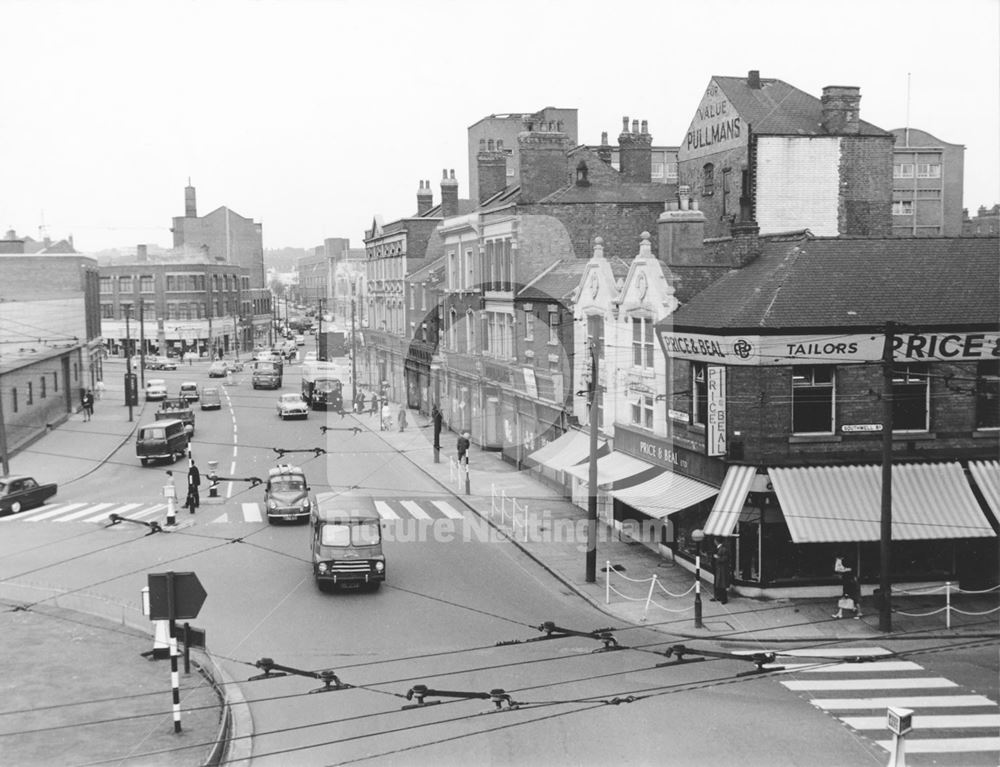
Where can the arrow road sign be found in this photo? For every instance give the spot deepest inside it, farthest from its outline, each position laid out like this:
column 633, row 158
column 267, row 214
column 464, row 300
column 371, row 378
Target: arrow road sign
column 175, row 596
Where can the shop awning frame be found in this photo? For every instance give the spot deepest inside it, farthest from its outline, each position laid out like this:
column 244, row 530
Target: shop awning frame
column 611, row 468
column 987, row 477
column 569, row 449
column 828, row 504
column 665, row 494
column 730, row 501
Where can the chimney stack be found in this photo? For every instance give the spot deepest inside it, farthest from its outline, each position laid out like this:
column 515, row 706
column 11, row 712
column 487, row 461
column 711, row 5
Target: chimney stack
column 449, row 194
column 425, row 198
column 491, row 165
column 681, row 234
column 840, row 109
column 190, row 209
column 635, row 152
column 753, row 79
column 141, row 256
column 604, row 150
column 544, row 167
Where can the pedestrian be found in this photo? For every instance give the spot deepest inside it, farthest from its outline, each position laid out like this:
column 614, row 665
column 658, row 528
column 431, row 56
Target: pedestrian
column 721, row 590
column 194, row 481
column 850, row 597
column 463, row 447
column 436, row 418
column 373, row 409
column 87, row 401
column 359, row 401
column 99, row 386
column 402, row 417
column 386, row 416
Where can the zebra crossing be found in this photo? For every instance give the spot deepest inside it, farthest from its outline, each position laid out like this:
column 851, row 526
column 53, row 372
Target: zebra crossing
column 951, row 725
column 390, row 509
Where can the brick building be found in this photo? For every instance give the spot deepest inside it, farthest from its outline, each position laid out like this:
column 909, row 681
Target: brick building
column 986, row 221
column 760, row 149
column 927, row 183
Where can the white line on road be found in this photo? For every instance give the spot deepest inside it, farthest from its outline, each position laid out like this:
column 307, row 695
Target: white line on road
column 950, row 722
column 89, row 510
column 447, row 510
column 945, row 745
column 385, row 511
column 122, row 511
column 875, row 667
column 251, row 512
column 912, row 683
column 912, row 701
column 415, row 511
column 44, row 513
column 151, row 511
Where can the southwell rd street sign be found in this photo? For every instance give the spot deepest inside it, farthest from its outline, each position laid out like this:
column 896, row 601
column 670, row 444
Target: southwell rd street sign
column 174, row 596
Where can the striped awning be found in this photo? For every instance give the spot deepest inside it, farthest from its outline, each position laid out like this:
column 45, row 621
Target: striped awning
column 571, row 448
column 987, row 476
column 612, row 467
column 729, row 503
column 826, row 504
column 664, row 494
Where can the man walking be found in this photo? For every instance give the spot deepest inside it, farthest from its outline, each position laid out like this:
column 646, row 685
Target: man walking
column 373, row 411
column 87, row 401
column 194, row 480
column 463, row 447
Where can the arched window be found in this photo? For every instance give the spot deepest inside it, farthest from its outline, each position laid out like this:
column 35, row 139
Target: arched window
column 708, row 179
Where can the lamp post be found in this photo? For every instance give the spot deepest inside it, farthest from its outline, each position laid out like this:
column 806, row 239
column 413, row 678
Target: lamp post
column 699, row 536
column 130, row 386
column 592, row 473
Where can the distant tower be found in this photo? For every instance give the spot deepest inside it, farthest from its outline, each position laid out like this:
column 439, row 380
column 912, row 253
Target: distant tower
column 190, row 209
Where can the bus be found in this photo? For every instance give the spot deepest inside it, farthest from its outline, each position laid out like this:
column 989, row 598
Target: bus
column 266, row 374
column 346, row 541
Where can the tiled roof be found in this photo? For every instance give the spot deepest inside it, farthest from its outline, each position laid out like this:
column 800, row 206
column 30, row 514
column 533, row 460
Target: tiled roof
column 427, row 270
column 557, row 282
column 779, row 108
column 854, row 282
column 625, row 192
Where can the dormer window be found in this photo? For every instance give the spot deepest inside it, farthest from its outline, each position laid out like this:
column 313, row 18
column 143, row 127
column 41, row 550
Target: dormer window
column 581, row 174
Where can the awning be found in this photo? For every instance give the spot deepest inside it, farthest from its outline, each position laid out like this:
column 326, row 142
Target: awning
column 612, row 467
column 664, row 494
column 732, row 496
column 572, row 447
column 930, row 501
column 987, row 476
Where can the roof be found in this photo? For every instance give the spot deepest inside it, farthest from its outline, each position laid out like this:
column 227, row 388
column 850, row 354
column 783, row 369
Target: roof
column 606, row 193
column 427, row 271
column 854, row 282
column 555, row 283
column 284, row 468
column 779, row 108
column 335, row 506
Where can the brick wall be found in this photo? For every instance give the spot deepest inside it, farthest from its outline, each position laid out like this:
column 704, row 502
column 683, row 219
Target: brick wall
column 866, row 186
column 619, row 224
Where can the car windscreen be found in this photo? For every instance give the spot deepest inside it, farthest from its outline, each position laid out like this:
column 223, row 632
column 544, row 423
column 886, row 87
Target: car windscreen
column 154, row 434
column 289, row 485
column 363, row 533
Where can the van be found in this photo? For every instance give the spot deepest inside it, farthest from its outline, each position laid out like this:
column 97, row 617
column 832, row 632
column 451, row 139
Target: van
column 162, row 439
column 346, row 537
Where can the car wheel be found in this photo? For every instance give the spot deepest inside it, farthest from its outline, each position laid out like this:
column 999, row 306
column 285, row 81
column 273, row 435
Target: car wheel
column 143, row 461
column 323, row 586
column 15, row 507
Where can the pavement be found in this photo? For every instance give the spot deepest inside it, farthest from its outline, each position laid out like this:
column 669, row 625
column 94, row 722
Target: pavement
column 517, row 507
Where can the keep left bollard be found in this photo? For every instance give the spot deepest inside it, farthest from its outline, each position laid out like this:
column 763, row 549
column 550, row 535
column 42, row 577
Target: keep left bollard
column 170, row 493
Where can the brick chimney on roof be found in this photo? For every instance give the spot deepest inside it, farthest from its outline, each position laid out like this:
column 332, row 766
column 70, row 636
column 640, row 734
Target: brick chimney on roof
column 425, row 198
column 491, row 165
column 753, row 79
column 635, row 152
column 449, row 194
column 841, row 105
column 544, row 167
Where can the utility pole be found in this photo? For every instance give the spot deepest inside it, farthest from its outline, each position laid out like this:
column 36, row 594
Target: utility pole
column 142, row 341
column 129, row 375
column 592, row 474
column 354, row 354
column 885, row 541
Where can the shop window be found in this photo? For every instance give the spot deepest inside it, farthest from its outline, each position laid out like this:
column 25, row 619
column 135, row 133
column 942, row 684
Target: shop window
column 642, row 412
column 812, row 399
column 988, row 395
column 911, row 388
column 699, row 393
column 642, row 342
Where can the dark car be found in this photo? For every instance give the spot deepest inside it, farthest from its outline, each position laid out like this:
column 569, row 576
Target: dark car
column 19, row 492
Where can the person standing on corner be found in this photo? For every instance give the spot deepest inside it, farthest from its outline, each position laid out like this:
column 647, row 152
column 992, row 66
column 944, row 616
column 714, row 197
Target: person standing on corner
column 850, row 598
column 402, row 417
column 99, row 386
column 87, row 402
column 194, row 480
column 463, row 448
column 373, row 408
column 721, row 591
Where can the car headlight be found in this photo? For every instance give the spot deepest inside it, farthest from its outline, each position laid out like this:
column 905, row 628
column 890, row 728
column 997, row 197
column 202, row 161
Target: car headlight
column 305, row 503
column 272, row 504
column 380, row 565
column 322, row 567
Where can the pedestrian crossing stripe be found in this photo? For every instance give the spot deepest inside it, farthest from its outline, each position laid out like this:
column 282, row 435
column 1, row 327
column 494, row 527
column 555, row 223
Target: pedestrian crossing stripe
column 390, row 510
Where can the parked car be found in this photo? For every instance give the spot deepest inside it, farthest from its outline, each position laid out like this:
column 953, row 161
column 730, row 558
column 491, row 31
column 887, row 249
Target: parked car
column 19, row 492
column 286, row 494
column 291, row 405
column 156, row 389
column 217, row 369
column 210, row 398
column 189, row 391
column 162, row 439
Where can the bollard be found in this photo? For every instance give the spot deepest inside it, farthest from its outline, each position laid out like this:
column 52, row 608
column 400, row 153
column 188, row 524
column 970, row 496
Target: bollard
column 697, row 591
column 169, row 492
column 213, row 479
column 467, row 490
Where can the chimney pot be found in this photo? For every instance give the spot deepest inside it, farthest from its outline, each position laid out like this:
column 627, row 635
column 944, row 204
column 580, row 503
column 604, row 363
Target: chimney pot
column 635, row 127
column 645, row 129
column 625, row 124
column 753, row 79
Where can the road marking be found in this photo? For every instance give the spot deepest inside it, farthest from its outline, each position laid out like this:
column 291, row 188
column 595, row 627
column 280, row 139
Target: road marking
column 911, row 683
column 415, row 511
column 447, row 510
column 912, row 701
column 877, row 667
column 945, row 745
column 122, row 511
column 221, row 519
column 42, row 513
column 385, row 511
column 155, row 509
column 89, row 510
column 251, row 512
column 951, row 722
column 826, row 652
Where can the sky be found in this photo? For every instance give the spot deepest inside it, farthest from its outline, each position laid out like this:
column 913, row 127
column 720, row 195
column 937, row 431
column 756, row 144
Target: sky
column 313, row 116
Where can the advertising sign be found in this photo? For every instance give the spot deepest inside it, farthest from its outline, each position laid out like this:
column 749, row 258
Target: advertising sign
column 716, row 431
column 716, row 126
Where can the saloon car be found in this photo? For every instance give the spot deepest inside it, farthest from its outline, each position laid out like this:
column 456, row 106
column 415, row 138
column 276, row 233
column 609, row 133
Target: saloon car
column 291, row 405
column 217, row 369
column 156, row 389
column 286, row 494
column 19, row 492
column 210, row 398
column 189, row 391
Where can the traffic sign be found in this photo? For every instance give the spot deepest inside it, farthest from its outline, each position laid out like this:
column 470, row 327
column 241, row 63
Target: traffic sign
column 175, row 596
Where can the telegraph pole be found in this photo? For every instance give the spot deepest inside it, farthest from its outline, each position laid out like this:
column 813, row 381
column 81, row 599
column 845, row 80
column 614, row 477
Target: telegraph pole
column 129, row 375
column 142, row 341
column 592, row 475
column 354, row 355
column 885, row 539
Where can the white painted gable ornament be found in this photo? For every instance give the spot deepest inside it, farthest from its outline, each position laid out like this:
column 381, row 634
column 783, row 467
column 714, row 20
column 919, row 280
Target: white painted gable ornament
column 641, row 285
column 595, row 285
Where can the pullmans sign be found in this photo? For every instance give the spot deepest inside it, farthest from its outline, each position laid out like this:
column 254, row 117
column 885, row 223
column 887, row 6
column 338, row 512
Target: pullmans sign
column 829, row 348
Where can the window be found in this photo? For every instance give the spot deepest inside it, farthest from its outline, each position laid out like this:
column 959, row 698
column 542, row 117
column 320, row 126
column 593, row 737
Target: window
column 470, row 332
column 107, row 311
column 902, row 170
column 671, row 168
column 553, row 327
column 902, row 207
column 642, row 412
column 31, row 393
column 911, row 388
column 708, row 179
column 126, row 310
column 41, row 389
column 657, row 170
column 469, row 272
column 642, row 342
column 106, row 287
column 55, row 382
column 726, row 173
column 529, row 325
column 146, row 284
column 812, row 399
column 453, row 330
column 928, row 170
column 699, row 393
column 988, row 395
column 124, row 284
column 13, row 398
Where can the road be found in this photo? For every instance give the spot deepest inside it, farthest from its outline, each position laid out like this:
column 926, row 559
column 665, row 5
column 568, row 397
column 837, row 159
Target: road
column 459, row 613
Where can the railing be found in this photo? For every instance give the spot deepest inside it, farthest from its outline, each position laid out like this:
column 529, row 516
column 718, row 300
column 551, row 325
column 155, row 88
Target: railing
column 948, row 588
column 654, row 584
column 518, row 512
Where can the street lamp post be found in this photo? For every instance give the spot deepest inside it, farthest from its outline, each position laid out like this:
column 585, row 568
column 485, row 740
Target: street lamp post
column 699, row 536
column 592, row 473
column 129, row 375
